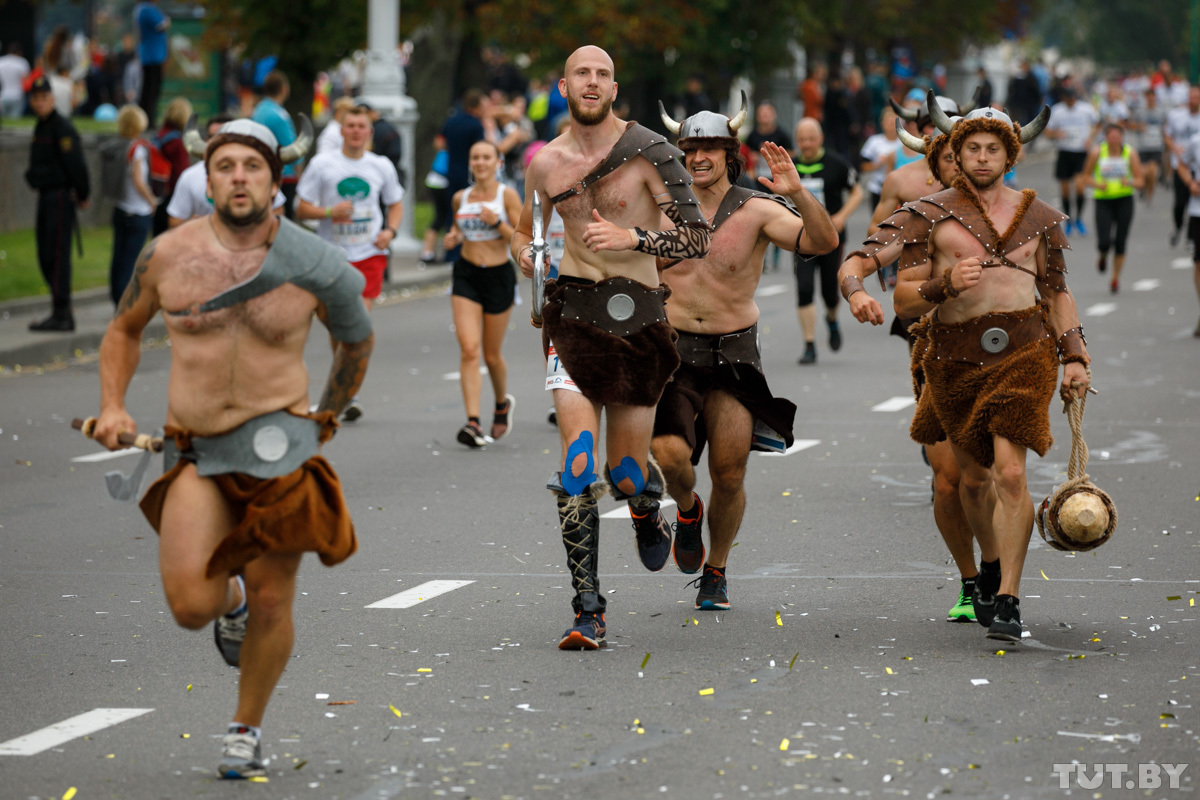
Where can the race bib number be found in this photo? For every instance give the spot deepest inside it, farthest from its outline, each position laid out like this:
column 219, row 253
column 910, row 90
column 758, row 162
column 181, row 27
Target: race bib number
column 556, row 374
column 816, row 186
column 357, row 231
column 1113, row 169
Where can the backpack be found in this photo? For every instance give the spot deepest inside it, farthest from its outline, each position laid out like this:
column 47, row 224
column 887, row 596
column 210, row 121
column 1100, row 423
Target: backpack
column 115, row 157
column 160, row 178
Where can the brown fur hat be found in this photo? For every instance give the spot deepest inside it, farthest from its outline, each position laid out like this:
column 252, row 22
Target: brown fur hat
column 934, row 149
column 1007, row 133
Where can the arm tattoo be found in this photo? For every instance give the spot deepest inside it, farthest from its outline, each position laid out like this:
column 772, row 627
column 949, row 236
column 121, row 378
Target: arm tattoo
column 684, row 241
column 347, row 374
column 133, row 291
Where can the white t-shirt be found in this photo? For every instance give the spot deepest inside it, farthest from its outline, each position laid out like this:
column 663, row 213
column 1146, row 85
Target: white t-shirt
column 1191, row 157
column 1076, row 123
column 331, row 178
column 64, row 95
column 1151, row 138
column 191, row 194
column 1182, row 125
column 131, row 201
column 330, row 138
column 874, row 148
column 13, row 70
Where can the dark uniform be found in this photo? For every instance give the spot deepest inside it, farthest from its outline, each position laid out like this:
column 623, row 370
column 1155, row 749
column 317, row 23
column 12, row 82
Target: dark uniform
column 58, row 172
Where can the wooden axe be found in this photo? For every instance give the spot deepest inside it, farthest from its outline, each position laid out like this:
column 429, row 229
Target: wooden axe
column 121, row 487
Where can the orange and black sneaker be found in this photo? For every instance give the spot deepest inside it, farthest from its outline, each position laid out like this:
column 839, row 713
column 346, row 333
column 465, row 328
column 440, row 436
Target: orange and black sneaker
column 653, row 534
column 586, row 634
column 714, row 591
column 689, row 539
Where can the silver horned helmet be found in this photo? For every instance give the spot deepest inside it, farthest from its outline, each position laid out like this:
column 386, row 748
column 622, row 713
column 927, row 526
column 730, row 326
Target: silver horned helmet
column 706, row 124
column 197, row 144
column 1025, row 135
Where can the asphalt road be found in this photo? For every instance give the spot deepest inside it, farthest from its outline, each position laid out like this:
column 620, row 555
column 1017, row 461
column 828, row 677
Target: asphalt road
column 833, row 673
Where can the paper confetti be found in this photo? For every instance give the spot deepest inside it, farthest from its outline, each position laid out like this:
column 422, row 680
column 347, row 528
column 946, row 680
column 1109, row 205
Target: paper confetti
column 69, row 793
column 889, row 671
column 424, row 669
column 301, row 764
column 784, row 745
column 185, row 736
column 189, row 687
column 706, row 691
column 793, row 661
column 1044, row 574
column 1174, row 597
column 341, row 702
column 979, row 681
column 641, row 730
column 395, row 710
column 260, row 779
column 645, row 661
column 1000, row 652
column 778, row 619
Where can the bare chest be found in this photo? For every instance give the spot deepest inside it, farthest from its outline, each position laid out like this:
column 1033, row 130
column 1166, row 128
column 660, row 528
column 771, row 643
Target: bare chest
column 620, row 196
column 953, row 242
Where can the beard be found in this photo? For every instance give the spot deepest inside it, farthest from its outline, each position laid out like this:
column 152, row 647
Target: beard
column 256, row 215
column 984, row 184
column 589, row 118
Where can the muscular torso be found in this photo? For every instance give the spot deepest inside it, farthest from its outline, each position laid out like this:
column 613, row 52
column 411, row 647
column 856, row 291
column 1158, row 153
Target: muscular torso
column 912, row 182
column 715, row 294
column 1001, row 288
column 233, row 364
column 623, row 197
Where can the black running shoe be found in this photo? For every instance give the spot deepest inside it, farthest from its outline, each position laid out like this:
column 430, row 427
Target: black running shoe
column 714, row 591
column 1006, row 624
column 230, row 632
column 689, row 540
column 472, row 436
column 835, row 335
column 984, row 598
column 586, row 634
column 653, row 534
column 810, row 354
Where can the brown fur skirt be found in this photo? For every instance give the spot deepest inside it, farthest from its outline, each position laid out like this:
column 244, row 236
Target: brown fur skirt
column 970, row 404
column 622, row 370
column 298, row 512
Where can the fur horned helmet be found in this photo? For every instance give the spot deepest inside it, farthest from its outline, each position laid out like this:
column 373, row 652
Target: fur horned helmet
column 988, row 120
column 251, row 134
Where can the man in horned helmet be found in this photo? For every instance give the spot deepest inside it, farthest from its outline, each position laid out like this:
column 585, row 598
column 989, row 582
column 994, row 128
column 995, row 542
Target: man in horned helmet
column 973, row 257
column 608, row 344
column 719, row 393
column 245, row 493
column 883, row 246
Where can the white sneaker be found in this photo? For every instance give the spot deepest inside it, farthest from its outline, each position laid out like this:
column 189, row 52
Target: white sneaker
column 241, row 757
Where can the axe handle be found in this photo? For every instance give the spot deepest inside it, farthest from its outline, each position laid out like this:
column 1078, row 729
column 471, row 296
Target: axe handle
column 142, row 441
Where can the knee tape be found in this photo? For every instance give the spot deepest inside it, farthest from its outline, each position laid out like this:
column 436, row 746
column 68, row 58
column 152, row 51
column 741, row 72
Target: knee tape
column 628, row 468
column 576, row 485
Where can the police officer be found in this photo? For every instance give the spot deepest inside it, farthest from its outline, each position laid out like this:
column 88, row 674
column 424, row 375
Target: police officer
column 58, row 173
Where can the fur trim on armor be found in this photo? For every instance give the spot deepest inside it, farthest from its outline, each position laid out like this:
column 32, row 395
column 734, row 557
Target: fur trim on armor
column 1008, row 135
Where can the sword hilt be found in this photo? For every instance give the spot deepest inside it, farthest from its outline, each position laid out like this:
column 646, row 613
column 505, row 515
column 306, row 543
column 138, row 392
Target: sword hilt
column 142, row 441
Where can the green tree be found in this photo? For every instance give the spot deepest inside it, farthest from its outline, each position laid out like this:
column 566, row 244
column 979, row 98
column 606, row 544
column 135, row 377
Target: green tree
column 1124, row 33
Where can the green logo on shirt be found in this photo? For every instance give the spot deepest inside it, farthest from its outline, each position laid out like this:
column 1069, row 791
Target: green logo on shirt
column 353, row 188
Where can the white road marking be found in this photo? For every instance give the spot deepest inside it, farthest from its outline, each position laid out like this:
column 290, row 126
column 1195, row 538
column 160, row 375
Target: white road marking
column 1181, row 263
column 105, row 455
column 1100, row 309
column 895, row 404
column 797, row 446
column 419, row 594
column 453, row 376
column 622, row 511
column 771, row 291
column 61, row 732
column 1147, row 285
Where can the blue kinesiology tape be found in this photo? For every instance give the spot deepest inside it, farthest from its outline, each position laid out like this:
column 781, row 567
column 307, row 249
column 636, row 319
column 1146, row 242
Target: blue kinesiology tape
column 576, row 485
column 628, row 468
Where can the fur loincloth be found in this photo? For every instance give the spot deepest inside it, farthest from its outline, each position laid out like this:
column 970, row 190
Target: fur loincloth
column 623, row 370
column 298, row 512
column 970, row 404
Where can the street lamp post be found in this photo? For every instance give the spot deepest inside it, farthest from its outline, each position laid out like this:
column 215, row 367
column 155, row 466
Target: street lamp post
column 383, row 88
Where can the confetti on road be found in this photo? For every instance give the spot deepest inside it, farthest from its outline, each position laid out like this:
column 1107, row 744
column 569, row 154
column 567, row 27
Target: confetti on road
column 645, row 661
column 793, row 661
column 784, row 745
column 395, row 710
column 889, row 671
column 1044, row 574
column 189, row 687
column 979, row 681
column 424, row 669
column 706, row 691
column 778, row 619
column 69, row 793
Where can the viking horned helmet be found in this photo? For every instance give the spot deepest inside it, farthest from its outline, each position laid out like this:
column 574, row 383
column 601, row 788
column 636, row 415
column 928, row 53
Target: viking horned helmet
column 991, row 121
column 705, row 124
column 198, row 146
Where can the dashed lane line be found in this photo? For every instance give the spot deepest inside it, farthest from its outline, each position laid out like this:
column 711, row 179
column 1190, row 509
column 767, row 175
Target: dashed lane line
column 771, row 291
column 1147, row 285
column 1100, row 309
column 898, row 403
column 62, row 732
column 419, row 594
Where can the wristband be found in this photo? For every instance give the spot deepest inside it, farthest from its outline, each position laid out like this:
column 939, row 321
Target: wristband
column 390, row 230
column 850, row 285
column 641, row 240
column 938, row 291
column 329, row 212
column 1071, row 346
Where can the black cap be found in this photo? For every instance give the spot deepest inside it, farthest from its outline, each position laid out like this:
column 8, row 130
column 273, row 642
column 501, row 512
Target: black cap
column 40, row 84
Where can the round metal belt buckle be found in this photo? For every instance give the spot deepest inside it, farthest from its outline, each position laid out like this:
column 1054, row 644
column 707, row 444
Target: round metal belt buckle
column 994, row 340
column 270, row 443
column 620, row 307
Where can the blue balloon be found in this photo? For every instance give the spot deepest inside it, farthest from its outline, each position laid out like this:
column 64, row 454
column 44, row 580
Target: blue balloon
column 105, row 112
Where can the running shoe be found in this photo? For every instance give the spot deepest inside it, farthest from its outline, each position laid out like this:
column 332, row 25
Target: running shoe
column 229, row 632
column 964, row 609
column 354, row 411
column 241, row 756
column 1080, row 228
column 586, row 634
column 835, row 335
column 472, row 436
column 689, row 539
column 714, row 591
column 1174, row 240
column 1114, row 287
column 1102, row 263
column 983, row 600
column 810, row 354
column 552, row 417
column 504, row 418
column 653, row 535
column 1006, row 625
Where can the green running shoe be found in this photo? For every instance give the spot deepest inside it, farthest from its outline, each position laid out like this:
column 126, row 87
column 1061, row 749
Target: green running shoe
column 964, row 609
